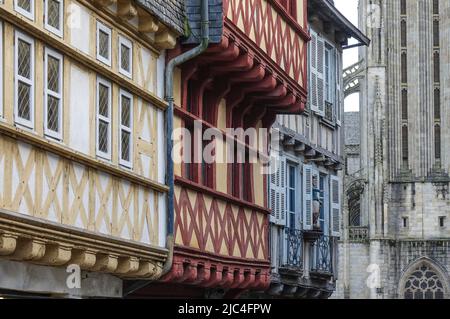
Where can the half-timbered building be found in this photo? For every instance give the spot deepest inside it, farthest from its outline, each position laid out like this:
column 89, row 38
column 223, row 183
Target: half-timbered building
column 255, row 71
column 82, row 165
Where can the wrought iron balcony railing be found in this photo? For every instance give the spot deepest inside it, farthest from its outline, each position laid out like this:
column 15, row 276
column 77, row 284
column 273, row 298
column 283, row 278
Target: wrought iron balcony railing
column 294, row 249
column 322, row 255
column 358, row 234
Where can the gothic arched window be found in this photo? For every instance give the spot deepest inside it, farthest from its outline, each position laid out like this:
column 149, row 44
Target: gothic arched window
column 424, row 283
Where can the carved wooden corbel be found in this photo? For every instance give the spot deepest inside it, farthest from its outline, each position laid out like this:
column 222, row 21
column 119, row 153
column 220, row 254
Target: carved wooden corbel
column 86, row 259
column 29, row 249
column 147, row 23
column 106, row 263
column 127, row 265
column 56, row 255
column 8, row 244
column 126, row 9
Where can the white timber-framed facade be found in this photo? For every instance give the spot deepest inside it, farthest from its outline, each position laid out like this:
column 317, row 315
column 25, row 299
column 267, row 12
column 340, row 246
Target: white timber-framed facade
column 61, row 203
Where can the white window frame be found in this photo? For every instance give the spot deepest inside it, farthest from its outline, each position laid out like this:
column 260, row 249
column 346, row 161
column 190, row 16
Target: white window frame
column 58, row 32
column 127, row 43
column 103, row 155
column 2, row 68
column 127, row 164
column 58, row 95
column 102, row 27
column 17, row 78
column 25, row 13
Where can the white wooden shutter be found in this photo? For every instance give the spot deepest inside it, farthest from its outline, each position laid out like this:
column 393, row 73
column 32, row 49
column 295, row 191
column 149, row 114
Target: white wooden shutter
column 313, row 72
column 320, row 76
column 335, row 206
column 273, row 196
column 307, row 198
column 282, row 191
column 277, row 194
column 339, row 78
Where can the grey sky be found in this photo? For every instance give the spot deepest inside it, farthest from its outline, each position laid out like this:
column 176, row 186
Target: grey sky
column 350, row 9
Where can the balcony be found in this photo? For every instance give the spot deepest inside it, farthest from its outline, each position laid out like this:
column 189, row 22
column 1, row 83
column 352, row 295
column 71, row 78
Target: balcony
column 358, row 234
column 322, row 255
column 294, row 251
column 291, row 277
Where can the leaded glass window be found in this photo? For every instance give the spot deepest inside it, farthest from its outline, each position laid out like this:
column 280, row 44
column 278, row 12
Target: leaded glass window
column 104, row 119
column 424, row 283
column 54, row 16
column 126, row 120
column 25, row 7
column 125, row 56
column 53, row 93
column 24, row 80
column 103, row 43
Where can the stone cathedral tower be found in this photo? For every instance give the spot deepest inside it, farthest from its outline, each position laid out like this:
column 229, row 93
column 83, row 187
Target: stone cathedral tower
column 396, row 241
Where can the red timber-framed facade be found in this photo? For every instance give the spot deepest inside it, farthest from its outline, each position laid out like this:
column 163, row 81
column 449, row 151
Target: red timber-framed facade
column 258, row 70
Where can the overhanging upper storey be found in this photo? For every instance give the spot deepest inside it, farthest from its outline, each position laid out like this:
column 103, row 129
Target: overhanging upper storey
column 277, row 32
column 258, row 61
column 324, row 10
column 159, row 22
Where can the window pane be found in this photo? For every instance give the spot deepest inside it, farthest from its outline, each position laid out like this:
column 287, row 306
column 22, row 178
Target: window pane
column 103, row 138
column 52, row 113
column 24, row 4
column 125, row 61
column 103, row 100
column 292, row 177
column 24, row 99
column 53, row 74
column 53, row 17
column 126, row 111
column 126, row 146
column 24, row 59
column 292, row 200
column 103, row 46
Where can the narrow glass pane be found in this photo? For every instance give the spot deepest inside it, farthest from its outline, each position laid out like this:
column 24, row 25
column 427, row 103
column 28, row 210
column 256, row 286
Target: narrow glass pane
column 103, row 138
column 126, row 111
column 24, row 99
column 24, row 4
column 103, row 100
column 24, row 59
column 53, row 14
column 52, row 113
column 125, row 55
column 126, row 146
column 53, row 74
column 103, row 45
